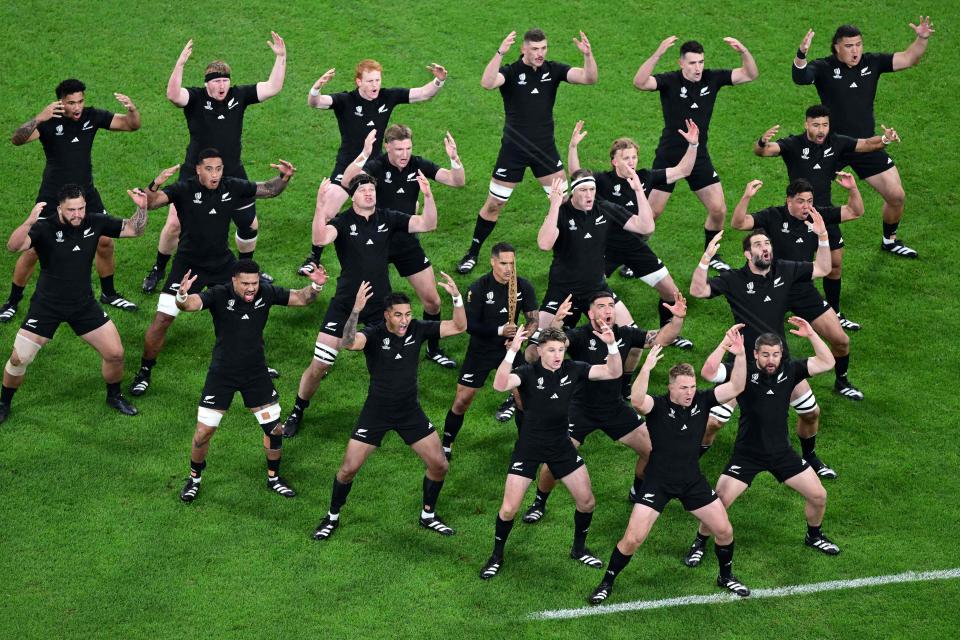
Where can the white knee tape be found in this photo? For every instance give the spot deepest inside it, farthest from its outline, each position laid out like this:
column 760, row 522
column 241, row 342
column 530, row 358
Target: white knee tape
column 209, row 417
column 720, row 376
column 269, row 414
column 652, row 279
column 26, row 350
column 805, row 403
column 323, row 353
column 499, row 191
column 167, row 304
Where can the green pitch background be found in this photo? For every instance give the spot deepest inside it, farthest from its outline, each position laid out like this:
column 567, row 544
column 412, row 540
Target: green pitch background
column 95, row 543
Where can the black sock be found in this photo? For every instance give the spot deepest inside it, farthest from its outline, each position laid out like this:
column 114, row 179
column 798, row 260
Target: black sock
column 432, row 343
column 273, row 465
column 339, row 496
column 431, row 491
column 113, row 389
column 581, row 526
column 831, row 291
column 245, row 255
column 316, row 251
column 500, row 533
column 703, row 449
column 541, row 498
column 481, row 231
column 106, row 285
column 663, row 313
column 162, row 260
column 701, row 539
column 451, row 427
column 842, row 366
column 6, row 394
column 808, row 447
column 618, row 562
column 16, row 293
column 147, row 364
column 725, row 559
column 196, row 468
column 708, row 235
column 625, row 384
column 890, row 229
column 814, row 531
column 299, row 406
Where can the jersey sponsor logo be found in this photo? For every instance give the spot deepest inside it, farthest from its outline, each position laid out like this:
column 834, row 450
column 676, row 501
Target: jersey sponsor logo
column 816, row 166
column 231, row 103
column 704, row 91
column 799, row 241
column 59, row 130
column 694, row 106
column 683, row 428
column 776, row 281
column 371, row 124
column 554, row 397
column 369, row 241
column 768, row 299
column 853, row 85
column 865, row 72
column 683, row 92
column 535, row 90
column 209, row 399
column 836, row 73
column 382, row 109
column 522, row 79
column 504, row 310
column 76, row 247
column 546, row 77
column 382, row 228
column 244, row 317
column 629, row 204
column 587, row 236
column 559, row 163
column 212, row 212
column 225, row 197
column 750, row 288
column 540, row 383
column 358, row 111
column 86, row 126
column 501, row 172
column 88, row 233
column 221, row 117
column 564, row 381
column 398, row 357
column 400, row 190
column 770, row 392
column 889, row 160
column 59, row 236
column 490, row 299
column 75, row 140
column 386, row 344
column 353, row 229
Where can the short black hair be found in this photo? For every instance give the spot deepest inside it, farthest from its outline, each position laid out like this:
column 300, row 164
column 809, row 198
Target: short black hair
column 68, row 86
column 395, row 298
column 534, row 35
column 69, row 191
column 582, row 172
column 209, row 152
column 818, row 111
column 768, row 340
column 756, row 231
column 596, row 295
column 844, row 31
column 502, row 247
column 245, row 266
column 690, row 46
column 798, row 185
column 358, row 180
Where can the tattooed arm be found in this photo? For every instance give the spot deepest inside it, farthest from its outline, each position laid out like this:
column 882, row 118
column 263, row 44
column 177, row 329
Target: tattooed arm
column 350, row 339
column 28, row 130
column 275, row 186
column 135, row 225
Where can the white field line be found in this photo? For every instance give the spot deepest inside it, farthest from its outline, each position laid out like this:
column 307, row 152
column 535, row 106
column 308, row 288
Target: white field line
column 779, row 592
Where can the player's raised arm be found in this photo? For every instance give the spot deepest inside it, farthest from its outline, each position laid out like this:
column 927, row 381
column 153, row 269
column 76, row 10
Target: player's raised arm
column 613, row 368
column 155, row 197
column 713, row 369
column 27, row 132
column 427, row 221
column 823, row 359
column 185, row 300
column 549, row 231
column 505, row 379
column 644, row 80
column 801, row 71
column 666, row 334
column 492, row 78
column 135, row 225
column 573, row 156
column 273, row 85
column 459, row 322
column 738, row 377
column 305, row 296
column 455, row 176
column 642, row 402
column 175, row 91
column 588, row 73
column 699, row 287
column 356, row 167
column 854, row 207
column 642, row 222
column 763, row 147
column 741, row 220
column 351, row 339
column 876, row 143
column 821, row 264
column 315, row 98
column 20, row 238
column 685, row 167
column 275, row 185
column 747, row 71
column 912, row 54
column 129, row 121
column 432, row 88
column 323, row 233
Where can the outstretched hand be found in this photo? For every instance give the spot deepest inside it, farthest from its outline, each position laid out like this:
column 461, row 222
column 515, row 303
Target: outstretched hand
column 448, row 285
column 924, row 28
column 318, row 275
column 285, row 168
column 507, row 43
column 438, row 71
column 450, row 146
column 770, row 133
column 714, row 245
column 518, row 339
column 364, row 293
column 185, row 54
column 424, row 183
column 816, row 222
column 578, row 134
column 890, row 134
column 679, row 306
column 606, row 333
column 807, row 40
column 846, row 180
column 557, row 192
column 752, row 187
column 563, row 311
column 186, row 283
column 583, row 44
column 733, row 341
column 803, row 328
column 139, row 197
column 692, row 134
column 322, row 191
column 653, row 357
column 276, row 44
column 665, row 44
column 735, row 44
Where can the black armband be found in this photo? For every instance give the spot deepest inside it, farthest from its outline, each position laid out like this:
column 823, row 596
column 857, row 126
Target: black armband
column 761, row 143
column 152, row 187
column 801, row 55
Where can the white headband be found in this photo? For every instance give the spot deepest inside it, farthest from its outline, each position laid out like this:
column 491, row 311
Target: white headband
column 581, row 181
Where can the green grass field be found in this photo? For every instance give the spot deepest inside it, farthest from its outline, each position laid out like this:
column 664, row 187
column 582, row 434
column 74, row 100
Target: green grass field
column 93, row 539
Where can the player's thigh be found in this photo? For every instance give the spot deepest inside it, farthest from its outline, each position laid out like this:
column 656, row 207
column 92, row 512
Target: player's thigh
column 827, row 325
column 105, row 339
column 807, row 483
column 622, row 315
column 430, row 450
column 513, row 491
column 578, row 484
column 355, row 455
column 641, row 521
column 638, row 440
column 729, row 489
column 712, row 197
column 714, row 516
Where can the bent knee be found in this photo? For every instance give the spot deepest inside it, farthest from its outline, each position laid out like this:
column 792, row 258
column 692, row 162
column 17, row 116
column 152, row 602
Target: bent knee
column 587, row 504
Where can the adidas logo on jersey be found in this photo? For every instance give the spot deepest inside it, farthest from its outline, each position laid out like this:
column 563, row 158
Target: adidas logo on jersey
column 244, row 317
column 399, row 357
column 767, row 299
column 400, row 190
column 369, row 241
column 554, row 397
column 371, row 124
column 853, row 85
column 212, row 212
column 587, row 235
column 816, row 166
column 535, row 90
column 683, row 428
column 76, row 248
column 75, row 140
column 770, row 392
column 694, row 106
column 221, row 117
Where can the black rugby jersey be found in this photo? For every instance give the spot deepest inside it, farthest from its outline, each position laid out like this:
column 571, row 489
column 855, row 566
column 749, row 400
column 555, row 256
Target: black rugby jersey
column 817, row 163
column 205, row 216
column 601, row 397
column 579, row 248
column 763, row 408
column 362, row 249
column 67, row 145
column 676, row 433
column 393, row 363
column 546, row 399
column 239, row 325
column 217, row 124
column 66, row 254
column 849, row 92
column 791, row 238
column 528, row 98
column 486, row 307
column 682, row 99
column 356, row 116
column 617, row 190
column 398, row 188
